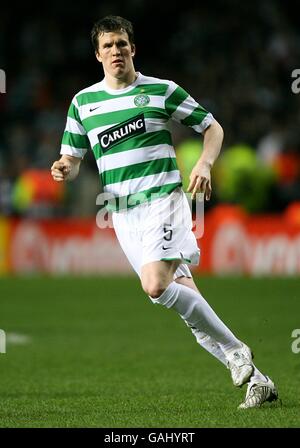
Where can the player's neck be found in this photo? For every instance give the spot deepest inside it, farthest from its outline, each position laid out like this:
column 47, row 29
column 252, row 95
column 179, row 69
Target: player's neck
column 120, row 83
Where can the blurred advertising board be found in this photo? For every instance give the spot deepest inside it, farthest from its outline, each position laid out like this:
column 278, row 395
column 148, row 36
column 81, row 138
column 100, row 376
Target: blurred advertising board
column 67, row 246
column 4, row 244
column 233, row 243
column 237, row 243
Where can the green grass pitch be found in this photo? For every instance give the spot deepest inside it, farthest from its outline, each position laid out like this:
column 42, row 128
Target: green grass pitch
column 100, row 354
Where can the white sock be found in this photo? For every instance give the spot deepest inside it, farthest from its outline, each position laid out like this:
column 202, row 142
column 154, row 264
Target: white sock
column 257, row 377
column 208, row 344
column 194, row 309
column 214, row 349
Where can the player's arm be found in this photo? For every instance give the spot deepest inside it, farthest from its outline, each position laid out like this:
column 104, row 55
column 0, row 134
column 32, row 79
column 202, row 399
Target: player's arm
column 74, row 145
column 66, row 168
column 200, row 178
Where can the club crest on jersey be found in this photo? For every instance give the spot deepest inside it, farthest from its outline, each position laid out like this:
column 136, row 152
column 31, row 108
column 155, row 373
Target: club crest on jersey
column 122, row 132
column 141, row 100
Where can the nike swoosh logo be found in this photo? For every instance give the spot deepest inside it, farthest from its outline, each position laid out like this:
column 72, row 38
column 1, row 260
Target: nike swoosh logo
column 165, row 248
column 94, row 108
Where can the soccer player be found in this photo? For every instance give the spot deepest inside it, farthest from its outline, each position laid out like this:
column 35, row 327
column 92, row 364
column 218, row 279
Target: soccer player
column 124, row 119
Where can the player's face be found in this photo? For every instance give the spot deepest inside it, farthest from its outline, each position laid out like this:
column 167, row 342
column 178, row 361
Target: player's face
column 115, row 53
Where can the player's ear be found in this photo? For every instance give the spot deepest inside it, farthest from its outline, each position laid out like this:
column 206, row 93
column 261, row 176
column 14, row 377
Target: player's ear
column 132, row 50
column 98, row 57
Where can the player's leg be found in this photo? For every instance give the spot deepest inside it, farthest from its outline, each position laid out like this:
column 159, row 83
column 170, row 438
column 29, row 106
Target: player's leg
column 171, row 238
column 203, row 339
column 166, row 276
column 193, row 308
column 156, row 276
column 157, row 282
column 210, row 344
column 260, row 387
column 131, row 242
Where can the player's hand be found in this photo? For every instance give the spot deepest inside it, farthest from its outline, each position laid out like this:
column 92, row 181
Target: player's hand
column 60, row 171
column 200, row 180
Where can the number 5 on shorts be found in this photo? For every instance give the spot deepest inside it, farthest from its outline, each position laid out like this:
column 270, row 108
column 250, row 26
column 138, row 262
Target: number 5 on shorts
column 168, row 232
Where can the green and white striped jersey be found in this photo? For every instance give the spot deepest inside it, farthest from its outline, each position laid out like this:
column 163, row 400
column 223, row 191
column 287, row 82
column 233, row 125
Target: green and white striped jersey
column 129, row 133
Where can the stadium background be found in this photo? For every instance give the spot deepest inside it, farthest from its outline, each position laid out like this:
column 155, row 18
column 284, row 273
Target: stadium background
column 235, row 58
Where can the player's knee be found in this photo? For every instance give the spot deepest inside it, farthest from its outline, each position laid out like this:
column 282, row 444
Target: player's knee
column 154, row 288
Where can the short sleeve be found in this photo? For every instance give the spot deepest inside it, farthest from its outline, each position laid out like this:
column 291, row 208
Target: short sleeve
column 182, row 108
column 74, row 141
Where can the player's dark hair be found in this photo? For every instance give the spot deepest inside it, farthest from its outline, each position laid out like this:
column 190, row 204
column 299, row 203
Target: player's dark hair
column 110, row 24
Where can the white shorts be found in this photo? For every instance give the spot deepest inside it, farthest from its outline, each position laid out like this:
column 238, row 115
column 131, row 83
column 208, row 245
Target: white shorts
column 158, row 230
